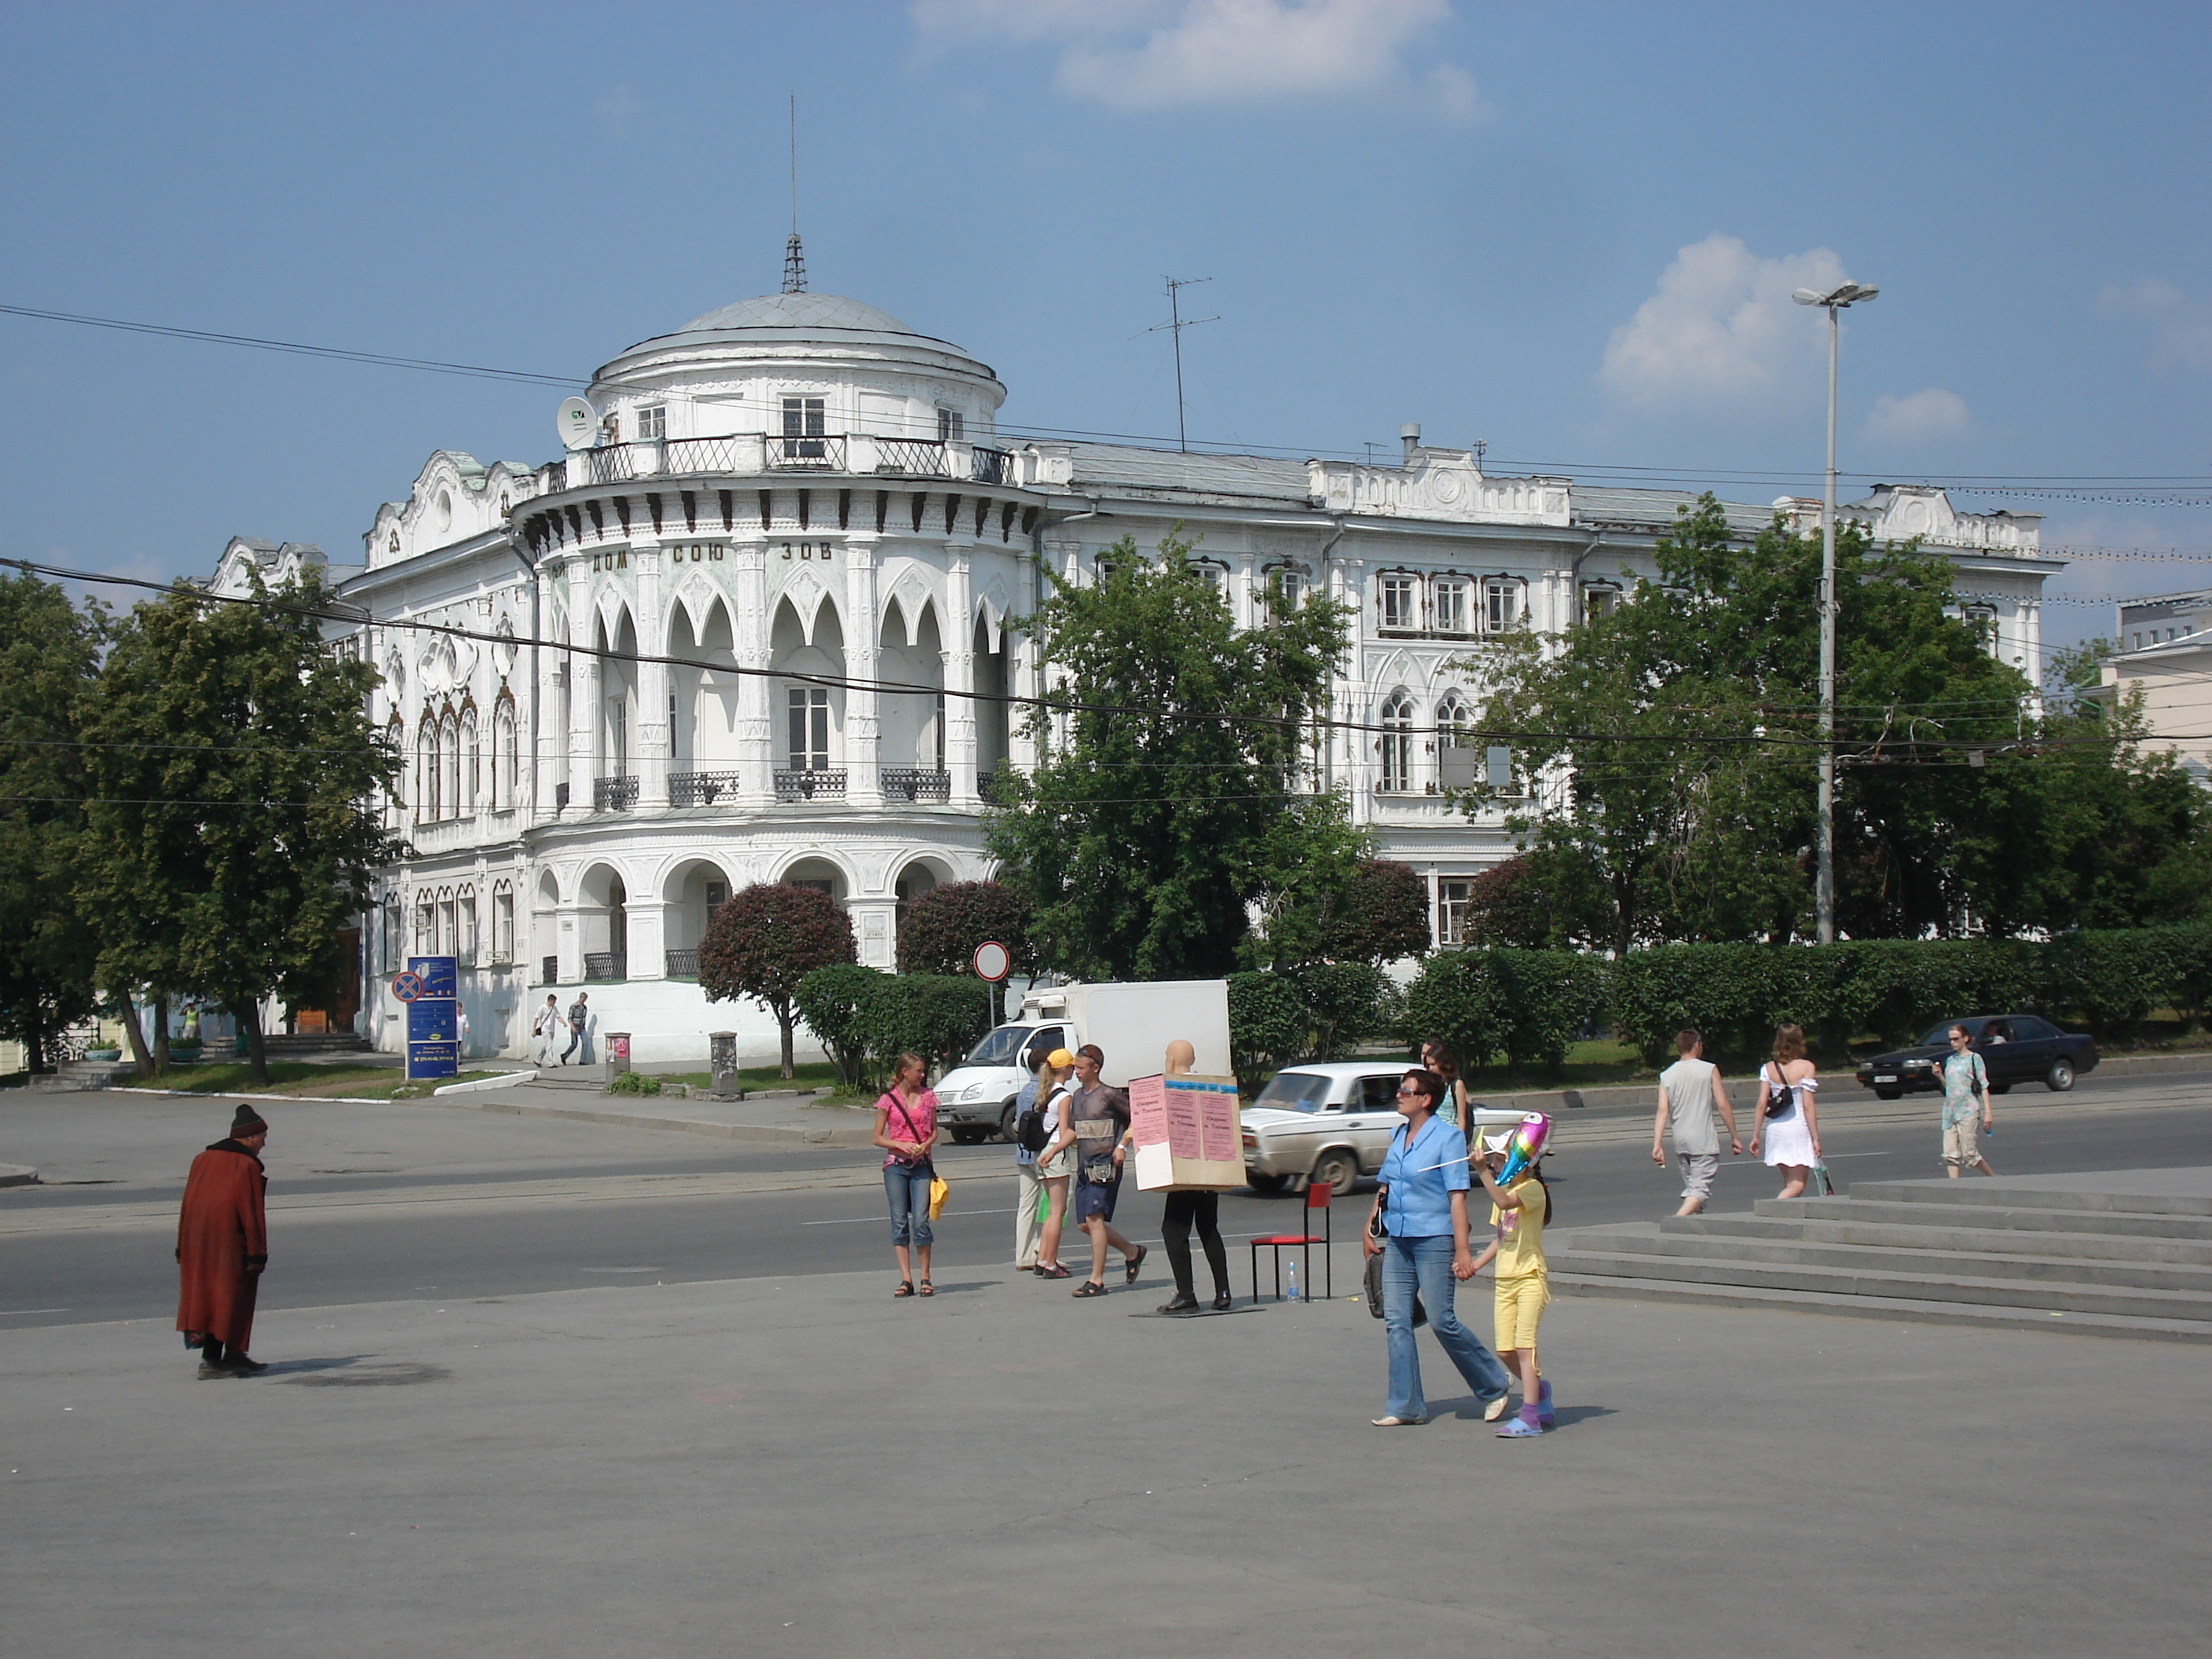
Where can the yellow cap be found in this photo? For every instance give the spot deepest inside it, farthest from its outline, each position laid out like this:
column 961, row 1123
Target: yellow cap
column 1059, row 1060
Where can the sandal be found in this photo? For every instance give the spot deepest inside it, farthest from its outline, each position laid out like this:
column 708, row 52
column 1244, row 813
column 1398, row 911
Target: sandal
column 927, row 1289
column 1137, row 1263
column 905, row 1288
column 1089, row 1287
column 1055, row 1271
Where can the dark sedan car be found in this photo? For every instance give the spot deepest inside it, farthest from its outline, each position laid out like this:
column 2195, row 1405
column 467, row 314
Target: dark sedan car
column 2016, row 1047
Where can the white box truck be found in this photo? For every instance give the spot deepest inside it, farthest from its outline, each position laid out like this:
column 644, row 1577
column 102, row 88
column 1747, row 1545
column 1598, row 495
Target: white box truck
column 1132, row 1023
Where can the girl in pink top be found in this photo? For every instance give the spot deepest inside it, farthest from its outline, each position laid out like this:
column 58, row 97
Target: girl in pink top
column 906, row 1128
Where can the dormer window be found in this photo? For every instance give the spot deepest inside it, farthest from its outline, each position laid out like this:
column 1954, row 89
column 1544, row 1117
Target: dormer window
column 951, row 426
column 652, row 423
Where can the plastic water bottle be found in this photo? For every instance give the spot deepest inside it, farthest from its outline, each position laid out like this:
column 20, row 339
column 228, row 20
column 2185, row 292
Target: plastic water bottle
column 1294, row 1279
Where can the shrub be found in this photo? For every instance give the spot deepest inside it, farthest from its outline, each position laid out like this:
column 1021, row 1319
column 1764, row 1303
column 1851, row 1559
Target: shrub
column 1343, row 1003
column 938, row 1016
column 1267, row 1026
column 1382, row 914
column 940, row 930
column 635, row 1083
column 768, row 939
column 832, row 1002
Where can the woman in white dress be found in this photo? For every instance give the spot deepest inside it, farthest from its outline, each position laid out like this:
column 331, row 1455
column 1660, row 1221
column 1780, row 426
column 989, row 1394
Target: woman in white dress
column 1793, row 1135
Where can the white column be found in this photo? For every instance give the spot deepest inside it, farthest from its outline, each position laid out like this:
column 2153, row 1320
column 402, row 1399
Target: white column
column 654, row 727
column 648, row 943
column 584, row 711
column 550, row 739
column 755, row 728
column 959, row 670
column 864, row 785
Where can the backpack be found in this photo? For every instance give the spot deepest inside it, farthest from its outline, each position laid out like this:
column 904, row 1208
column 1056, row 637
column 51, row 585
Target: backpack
column 1029, row 1130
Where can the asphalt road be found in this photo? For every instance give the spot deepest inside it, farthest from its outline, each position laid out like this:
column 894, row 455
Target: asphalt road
column 521, row 1241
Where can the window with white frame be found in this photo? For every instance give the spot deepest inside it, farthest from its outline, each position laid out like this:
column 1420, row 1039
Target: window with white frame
column 808, row 708
column 1291, row 584
column 426, row 770
column 472, row 763
column 426, row 926
column 1400, row 603
column 502, row 923
column 951, row 426
column 1600, row 599
column 1214, row 576
column 1454, row 894
column 1396, row 777
column 506, row 761
column 1448, row 600
column 392, row 962
column 1502, row 607
column 652, row 423
column 803, row 426
column 465, row 944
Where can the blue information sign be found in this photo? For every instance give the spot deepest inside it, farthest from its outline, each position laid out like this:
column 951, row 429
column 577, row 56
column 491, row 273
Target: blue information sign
column 433, row 1048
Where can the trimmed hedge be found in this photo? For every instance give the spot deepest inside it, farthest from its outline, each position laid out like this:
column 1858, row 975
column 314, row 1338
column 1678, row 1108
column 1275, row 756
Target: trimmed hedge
column 865, row 1019
column 1528, row 1006
column 1320, row 1011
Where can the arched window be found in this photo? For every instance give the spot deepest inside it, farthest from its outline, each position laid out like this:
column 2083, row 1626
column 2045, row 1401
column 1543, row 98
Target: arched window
column 502, row 923
column 449, row 745
column 426, row 770
column 395, row 798
column 471, row 789
column 506, row 759
column 1455, row 749
column 1397, row 776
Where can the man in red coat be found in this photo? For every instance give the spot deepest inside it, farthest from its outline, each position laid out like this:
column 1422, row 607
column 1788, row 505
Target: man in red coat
column 222, row 1245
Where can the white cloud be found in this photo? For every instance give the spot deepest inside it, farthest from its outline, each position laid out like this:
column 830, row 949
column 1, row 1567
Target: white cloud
column 1160, row 54
column 2181, row 328
column 1720, row 331
column 1918, row 417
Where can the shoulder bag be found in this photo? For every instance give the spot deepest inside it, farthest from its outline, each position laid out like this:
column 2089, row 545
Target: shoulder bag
column 1780, row 1097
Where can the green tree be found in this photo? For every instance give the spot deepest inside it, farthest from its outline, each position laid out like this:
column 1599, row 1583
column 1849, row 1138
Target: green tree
column 1383, row 914
column 1162, row 807
column 49, row 655
column 833, row 1002
column 230, row 834
column 940, row 930
column 1668, row 751
column 765, row 941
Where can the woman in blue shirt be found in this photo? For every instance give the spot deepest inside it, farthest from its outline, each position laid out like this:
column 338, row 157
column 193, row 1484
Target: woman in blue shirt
column 1422, row 1208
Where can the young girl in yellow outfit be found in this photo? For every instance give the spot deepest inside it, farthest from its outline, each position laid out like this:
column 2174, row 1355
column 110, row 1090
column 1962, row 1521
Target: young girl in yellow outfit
column 1517, row 1216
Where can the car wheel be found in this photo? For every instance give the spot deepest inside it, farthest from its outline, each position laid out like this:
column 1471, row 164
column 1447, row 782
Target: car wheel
column 2060, row 1078
column 1006, row 1121
column 1889, row 1094
column 2001, row 1088
column 966, row 1136
column 1338, row 1170
column 1260, row 1184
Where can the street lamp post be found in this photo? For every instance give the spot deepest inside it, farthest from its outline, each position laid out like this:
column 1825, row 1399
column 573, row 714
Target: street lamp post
column 1824, row 889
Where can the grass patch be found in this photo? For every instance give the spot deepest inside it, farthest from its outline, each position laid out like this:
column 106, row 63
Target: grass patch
column 298, row 1077
column 805, row 1075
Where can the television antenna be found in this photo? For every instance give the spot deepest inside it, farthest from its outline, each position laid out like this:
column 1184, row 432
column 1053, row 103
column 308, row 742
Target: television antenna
column 1176, row 324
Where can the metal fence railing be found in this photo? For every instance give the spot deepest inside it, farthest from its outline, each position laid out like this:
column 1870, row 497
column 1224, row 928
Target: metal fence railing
column 701, row 788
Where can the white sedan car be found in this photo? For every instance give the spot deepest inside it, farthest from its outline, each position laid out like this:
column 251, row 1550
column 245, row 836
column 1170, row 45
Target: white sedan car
column 1330, row 1121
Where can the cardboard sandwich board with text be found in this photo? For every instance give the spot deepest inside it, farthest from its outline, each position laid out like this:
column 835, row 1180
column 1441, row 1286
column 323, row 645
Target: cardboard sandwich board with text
column 1189, row 1133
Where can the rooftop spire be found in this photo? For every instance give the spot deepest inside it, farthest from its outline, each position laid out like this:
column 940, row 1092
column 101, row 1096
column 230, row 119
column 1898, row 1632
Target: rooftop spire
column 794, row 258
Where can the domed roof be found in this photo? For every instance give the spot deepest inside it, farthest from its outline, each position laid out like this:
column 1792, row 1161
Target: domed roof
column 798, row 311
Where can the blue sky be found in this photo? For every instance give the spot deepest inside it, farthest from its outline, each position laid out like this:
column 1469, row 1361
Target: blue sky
column 1567, row 230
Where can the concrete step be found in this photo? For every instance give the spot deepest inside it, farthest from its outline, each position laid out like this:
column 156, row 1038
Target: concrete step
column 2028, row 1218
column 1590, row 1257
column 1962, row 1240
column 1906, row 1310
column 297, row 1045
column 2003, row 1195
column 1886, row 1257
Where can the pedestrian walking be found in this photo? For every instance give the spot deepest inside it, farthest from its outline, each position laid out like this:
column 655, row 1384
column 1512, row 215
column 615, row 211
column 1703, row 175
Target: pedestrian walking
column 1518, row 1216
column 579, row 1020
column 1187, row 1207
column 1964, row 1072
column 1419, row 1226
column 1098, row 1115
column 1690, row 1092
column 1055, row 1165
column 1031, row 1134
column 547, row 1029
column 1788, row 1122
column 907, row 1130
column 222, row 1245
column 1437, row 1056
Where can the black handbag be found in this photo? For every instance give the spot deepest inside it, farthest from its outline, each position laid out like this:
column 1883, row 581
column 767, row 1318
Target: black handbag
column 1374, row 1276
column 1779, row 1099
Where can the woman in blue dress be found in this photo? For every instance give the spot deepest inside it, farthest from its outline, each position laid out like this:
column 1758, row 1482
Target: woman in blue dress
column 1421, row 1212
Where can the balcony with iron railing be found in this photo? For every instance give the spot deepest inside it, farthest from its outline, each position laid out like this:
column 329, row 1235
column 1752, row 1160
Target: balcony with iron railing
column 809, row 785
column 914, row 783
column 745, row 454
column 680, row 964
column 617, row 794
column 702, row 789
column 607, row 965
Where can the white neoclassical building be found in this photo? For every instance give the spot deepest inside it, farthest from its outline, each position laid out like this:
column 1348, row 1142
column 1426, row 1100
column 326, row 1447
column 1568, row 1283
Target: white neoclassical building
column 689, row 624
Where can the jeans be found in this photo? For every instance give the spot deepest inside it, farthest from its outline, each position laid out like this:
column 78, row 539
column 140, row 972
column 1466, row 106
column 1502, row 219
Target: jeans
column 907, row 1185
column 1425, row 1264
column 575, row 1041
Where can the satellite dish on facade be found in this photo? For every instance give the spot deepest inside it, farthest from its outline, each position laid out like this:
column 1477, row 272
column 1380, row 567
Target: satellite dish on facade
column 579, row 422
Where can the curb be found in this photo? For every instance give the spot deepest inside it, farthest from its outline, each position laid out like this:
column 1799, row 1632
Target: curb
column 759, row 1132
column 497, row 1080
column 18, row 1174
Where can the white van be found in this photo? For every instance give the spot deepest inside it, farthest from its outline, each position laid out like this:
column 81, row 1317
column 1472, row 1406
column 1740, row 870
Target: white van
column 1132, row 1023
